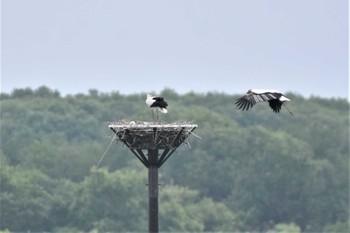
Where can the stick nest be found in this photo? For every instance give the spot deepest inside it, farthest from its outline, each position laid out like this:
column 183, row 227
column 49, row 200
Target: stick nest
column 152, row 135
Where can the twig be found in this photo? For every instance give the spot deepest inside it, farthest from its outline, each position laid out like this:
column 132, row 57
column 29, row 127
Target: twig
column 196, row 135
column 106, row 151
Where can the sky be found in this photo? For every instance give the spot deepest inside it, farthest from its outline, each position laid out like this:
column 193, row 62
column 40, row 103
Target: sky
column 133, row 46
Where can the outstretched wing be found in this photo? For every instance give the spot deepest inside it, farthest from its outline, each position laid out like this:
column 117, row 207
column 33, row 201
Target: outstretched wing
column 251, row 98
column 245, row 102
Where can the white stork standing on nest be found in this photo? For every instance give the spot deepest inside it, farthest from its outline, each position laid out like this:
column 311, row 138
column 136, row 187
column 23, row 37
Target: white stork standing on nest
column 158, row 103
column 275, row 98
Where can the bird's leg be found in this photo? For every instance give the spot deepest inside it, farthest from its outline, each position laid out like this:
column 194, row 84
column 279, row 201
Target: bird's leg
column 157, row 114
column 291, row 113
column 152, row 114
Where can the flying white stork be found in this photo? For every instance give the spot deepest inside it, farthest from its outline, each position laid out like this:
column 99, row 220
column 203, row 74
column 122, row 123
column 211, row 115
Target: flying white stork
column 275, row 98
column 158, row 103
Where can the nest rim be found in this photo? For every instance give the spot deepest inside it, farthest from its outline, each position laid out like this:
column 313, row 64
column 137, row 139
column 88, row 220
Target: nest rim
column 148, row 135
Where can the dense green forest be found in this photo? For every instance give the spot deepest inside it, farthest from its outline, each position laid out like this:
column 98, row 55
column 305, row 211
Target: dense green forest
column 251, row 171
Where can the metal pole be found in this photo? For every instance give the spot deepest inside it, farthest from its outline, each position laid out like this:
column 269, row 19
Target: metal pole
column 153, row 191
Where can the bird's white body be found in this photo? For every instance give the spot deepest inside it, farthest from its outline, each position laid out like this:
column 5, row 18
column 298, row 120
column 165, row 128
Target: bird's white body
column 264, row 91
column 261, row 91
column 283, row 98
column 149, row 100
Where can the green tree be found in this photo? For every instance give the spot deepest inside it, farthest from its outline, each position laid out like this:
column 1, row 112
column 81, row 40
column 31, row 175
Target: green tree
column 269, row 182
column 111, row 201
column 267, row 168
column 25, row 200
column 182, row 210
column 285, row 228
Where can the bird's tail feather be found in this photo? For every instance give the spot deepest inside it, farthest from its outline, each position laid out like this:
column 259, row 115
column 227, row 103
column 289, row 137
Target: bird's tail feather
column 163, row 110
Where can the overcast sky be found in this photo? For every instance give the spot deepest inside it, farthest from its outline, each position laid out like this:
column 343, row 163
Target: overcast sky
column 134, row 46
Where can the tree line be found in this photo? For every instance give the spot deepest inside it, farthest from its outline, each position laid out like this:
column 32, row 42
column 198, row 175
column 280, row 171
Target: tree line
column 250, row 171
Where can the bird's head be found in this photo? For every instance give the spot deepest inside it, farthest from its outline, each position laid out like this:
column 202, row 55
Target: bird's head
column 249, row 92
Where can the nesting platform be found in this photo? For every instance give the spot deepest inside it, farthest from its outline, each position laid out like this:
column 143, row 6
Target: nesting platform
column 152, row 143
column 143, row 135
